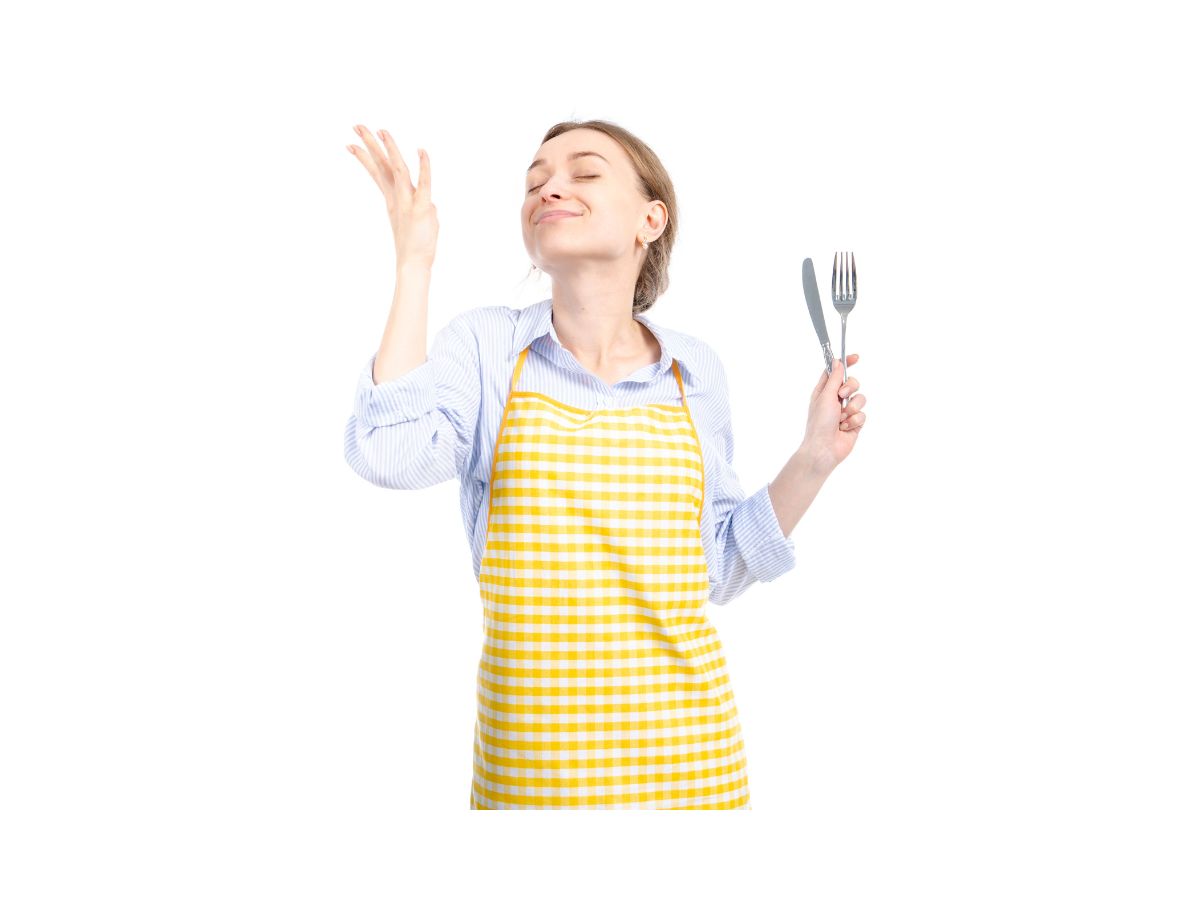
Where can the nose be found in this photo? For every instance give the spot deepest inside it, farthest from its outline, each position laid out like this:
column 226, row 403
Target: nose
column 550, row 187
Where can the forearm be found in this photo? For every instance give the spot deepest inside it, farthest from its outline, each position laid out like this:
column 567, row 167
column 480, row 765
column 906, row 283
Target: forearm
column 406, row 335
column 793, row 489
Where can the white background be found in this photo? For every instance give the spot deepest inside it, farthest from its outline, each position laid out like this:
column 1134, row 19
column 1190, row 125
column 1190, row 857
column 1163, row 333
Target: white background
column 231, row 668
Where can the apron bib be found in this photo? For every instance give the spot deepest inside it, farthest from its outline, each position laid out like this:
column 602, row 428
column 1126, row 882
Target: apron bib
column 601, row 683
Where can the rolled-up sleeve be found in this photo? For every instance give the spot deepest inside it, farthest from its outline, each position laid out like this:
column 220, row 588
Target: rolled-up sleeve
column 748, row 544
column 418, row 430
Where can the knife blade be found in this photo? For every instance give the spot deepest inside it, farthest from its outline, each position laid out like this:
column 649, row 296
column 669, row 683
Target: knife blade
column 808, row 277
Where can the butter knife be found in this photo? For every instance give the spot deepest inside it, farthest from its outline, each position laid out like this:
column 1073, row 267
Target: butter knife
column 808, row 277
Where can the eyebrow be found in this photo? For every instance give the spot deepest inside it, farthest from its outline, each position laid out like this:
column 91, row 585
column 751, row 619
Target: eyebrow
column 542, row 162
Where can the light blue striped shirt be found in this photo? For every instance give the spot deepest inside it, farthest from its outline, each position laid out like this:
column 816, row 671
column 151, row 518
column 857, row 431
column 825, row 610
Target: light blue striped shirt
column 440, row 421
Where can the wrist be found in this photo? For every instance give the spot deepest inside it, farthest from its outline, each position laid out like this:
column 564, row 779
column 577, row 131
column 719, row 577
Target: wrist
column 815, row 462
column 413, row 268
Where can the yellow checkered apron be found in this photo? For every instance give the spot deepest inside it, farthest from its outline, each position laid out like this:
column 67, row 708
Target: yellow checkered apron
column 601, row 683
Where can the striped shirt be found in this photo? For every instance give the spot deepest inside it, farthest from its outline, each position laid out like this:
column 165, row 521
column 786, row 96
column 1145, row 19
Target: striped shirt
column 440, row 421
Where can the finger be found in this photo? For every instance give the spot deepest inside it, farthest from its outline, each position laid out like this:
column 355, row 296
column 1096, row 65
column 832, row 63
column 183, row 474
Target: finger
column 377, row 154
column 857, row 402
column 851, row 359
column 368, row 161
column 853, row 421
column 835, row 377
column 848, row 388
column 423, row 176
column 400, row 172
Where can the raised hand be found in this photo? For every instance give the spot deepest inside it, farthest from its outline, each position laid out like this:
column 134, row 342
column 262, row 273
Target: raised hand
column 410, row 209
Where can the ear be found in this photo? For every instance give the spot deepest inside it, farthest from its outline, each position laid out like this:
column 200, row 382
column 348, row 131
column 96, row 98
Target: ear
column 656, row 220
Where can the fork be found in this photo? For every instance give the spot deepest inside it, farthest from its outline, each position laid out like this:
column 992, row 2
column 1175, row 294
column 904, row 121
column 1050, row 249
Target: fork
column 845, row 292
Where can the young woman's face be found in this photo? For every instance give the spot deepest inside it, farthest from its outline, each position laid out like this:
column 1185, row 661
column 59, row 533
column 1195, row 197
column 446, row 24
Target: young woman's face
column 605, row 211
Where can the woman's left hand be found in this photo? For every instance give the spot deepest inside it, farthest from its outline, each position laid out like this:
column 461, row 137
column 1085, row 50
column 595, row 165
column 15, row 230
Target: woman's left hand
column 832, row 431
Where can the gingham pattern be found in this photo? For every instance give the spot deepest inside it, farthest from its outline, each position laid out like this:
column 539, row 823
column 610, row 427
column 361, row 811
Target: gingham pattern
column 439, row 421
column 602, row 684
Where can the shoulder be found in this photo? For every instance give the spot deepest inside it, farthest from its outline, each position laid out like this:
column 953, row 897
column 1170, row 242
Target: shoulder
column 487, row 331
column 497, row 324
column 707, row 360
column 484, row 320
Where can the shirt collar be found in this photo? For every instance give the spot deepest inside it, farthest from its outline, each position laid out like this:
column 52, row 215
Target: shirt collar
column 534, row 322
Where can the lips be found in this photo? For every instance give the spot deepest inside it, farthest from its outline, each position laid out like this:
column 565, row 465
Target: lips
column 557, row 215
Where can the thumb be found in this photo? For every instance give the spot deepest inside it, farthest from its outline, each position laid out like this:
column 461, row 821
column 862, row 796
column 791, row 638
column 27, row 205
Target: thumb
column 834, row 382
column 821, row 382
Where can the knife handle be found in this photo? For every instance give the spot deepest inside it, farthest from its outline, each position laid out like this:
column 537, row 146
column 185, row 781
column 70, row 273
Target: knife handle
column 827, row 352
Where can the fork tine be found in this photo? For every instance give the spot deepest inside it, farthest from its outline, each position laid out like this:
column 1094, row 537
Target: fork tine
column 854, row 276
column 833, row 286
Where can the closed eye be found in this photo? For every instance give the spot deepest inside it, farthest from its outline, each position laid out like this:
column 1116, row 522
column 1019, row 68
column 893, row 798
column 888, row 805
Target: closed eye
column 538, row 187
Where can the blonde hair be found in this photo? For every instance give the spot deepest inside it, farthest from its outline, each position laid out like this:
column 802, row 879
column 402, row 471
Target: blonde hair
column 653, row 183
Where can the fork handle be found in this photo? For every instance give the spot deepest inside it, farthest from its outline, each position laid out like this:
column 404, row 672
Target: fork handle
column 845, row 400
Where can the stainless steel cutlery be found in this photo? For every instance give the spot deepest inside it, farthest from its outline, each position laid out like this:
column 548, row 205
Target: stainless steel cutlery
column 845, row 293
column 808, row 277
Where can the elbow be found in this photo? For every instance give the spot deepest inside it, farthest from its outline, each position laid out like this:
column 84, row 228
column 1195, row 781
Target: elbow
column 384, row 478
column 727, row 591
column 737, row 572
column 376, row 456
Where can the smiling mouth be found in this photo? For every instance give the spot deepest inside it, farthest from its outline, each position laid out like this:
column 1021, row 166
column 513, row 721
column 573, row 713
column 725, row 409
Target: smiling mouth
column 552, row 216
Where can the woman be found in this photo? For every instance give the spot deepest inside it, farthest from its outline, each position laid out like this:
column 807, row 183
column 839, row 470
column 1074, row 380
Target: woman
column 594, row 450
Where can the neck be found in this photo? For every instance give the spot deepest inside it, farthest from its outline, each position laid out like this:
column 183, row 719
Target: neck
column 598, row 328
